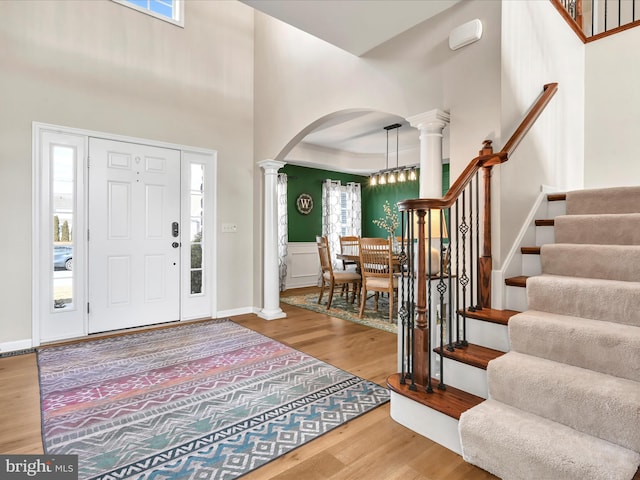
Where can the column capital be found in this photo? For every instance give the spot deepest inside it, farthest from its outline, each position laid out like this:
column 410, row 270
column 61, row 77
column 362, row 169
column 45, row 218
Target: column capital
column 269, row 165
column 435, row 119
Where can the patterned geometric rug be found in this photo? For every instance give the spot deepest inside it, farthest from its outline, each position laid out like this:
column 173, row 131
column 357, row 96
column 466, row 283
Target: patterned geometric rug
column 340, row 308
column 210, row 400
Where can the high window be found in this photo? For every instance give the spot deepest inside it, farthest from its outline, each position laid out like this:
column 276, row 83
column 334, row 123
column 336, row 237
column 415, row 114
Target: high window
column 168, row 10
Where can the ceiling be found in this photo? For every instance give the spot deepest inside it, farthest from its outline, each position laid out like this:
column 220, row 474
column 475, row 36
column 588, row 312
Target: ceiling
column 356, row 26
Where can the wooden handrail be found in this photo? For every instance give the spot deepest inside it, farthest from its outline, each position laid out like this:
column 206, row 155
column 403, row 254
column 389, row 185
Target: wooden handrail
column 485, row 159
column 548, row 91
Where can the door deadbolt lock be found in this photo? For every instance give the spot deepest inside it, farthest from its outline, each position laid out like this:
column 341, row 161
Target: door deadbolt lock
column 175, row 229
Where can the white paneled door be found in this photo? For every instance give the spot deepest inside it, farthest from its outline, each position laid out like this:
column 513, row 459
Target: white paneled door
column 134, row 235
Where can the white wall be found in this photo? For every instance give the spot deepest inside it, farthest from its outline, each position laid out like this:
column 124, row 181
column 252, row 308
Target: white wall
column 612, row 123
column 538, row 47
column 300, row 78
column 100, row 66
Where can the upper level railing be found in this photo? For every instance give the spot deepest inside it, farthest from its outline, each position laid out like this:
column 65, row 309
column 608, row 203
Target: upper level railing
column 443, row 259
column 594, row 19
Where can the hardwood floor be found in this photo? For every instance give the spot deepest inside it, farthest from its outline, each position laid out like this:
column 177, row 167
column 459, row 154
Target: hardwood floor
column 371, row 447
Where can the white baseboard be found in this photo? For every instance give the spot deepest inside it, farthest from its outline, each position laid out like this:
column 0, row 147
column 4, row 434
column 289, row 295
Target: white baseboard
column 236, row 311
column 15, row 346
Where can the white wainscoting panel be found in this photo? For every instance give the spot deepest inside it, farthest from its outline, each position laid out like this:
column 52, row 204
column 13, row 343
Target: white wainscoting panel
column 303, row 265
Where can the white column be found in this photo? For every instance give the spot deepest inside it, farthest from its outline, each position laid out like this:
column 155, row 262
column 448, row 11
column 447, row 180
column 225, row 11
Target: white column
column 430, row 124
column 271, row 279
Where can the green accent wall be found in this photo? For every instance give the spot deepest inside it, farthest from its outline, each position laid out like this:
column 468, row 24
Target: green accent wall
column 373, row 198
column 304, row 228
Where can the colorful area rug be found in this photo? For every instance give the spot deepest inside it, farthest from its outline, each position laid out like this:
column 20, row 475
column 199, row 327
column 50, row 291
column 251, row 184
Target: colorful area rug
column 207, row 400
column 340, row 308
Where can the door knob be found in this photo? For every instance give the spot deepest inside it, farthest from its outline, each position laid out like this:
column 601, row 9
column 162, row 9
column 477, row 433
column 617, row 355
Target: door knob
column 175, row 244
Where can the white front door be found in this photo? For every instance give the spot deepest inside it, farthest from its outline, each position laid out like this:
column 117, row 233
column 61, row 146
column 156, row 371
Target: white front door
column 134, row 235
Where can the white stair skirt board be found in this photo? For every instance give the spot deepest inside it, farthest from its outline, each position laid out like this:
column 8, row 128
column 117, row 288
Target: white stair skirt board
column 545, row 235
column 465, row 377
column 427, row 422
column 487, row 334
column 531, row 265
column 516, row 299
column 556, row 208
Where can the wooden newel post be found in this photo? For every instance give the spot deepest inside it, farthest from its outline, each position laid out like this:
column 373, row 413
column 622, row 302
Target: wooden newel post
column 485, row 262
column 421, row 329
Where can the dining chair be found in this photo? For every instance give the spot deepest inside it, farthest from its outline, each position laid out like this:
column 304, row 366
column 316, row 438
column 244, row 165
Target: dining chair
column 377, row 271
column 330, row 277
column 349, row 245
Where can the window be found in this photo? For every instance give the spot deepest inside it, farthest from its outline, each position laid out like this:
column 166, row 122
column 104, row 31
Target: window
column 341, row 212
column 197, row 219
column 62, row 168
column 169, row 10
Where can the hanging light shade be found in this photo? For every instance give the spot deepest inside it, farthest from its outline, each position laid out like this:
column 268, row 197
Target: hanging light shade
column 391, row 177
column 402, row 176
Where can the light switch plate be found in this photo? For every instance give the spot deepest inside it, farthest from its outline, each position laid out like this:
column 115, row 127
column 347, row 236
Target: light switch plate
column 229, row 228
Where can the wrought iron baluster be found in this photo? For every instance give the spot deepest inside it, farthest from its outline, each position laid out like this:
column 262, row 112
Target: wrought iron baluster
column 457, row 270
column 471, row 256
column 478, row 305
column 429, row 388
column 402, row 314
column 442, row 289
column 412, row 299
column 464, row 279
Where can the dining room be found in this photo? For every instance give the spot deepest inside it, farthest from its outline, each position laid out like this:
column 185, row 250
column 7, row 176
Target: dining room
column 308, row 217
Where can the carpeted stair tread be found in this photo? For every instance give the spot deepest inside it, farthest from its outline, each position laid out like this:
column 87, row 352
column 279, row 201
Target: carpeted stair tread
column 530, row 250
column 600, row 405
column 604, row 200
column 517, row 445
column 519, row 281
column 471, row 354
column 583, row 297
column 490, row 315
column 608, row 262
column 546, row 335
column 451, row 402
column 604, row 229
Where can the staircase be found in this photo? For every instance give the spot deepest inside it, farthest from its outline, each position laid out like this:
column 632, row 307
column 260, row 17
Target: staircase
column 564, row 402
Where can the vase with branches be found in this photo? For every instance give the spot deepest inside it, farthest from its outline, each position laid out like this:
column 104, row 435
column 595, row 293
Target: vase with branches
column 390, row 221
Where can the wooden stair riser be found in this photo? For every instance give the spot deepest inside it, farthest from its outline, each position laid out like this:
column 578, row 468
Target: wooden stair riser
column 531, row 265
column 490, row 335
column 465, row 377
column 516, row 298
column 545, row 235
column 555, row 209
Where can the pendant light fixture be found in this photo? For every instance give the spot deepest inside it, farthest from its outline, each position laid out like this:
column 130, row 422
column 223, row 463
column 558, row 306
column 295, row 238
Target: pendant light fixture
column 393, row 174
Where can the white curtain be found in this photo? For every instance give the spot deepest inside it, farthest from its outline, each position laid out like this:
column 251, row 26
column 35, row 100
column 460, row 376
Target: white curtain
column 353, row 210
column 283, row 229
column 341, row 213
